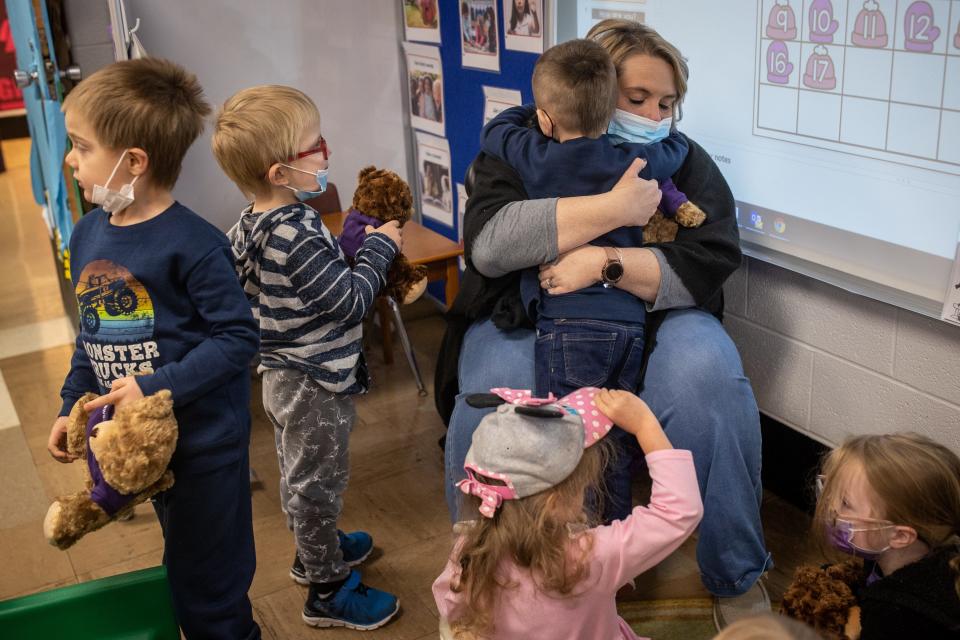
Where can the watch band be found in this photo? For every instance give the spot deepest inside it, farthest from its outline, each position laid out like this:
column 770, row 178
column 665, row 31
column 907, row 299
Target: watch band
column 612, row 270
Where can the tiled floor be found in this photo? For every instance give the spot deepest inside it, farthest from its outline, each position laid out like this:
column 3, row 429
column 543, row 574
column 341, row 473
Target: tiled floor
column 395, row 488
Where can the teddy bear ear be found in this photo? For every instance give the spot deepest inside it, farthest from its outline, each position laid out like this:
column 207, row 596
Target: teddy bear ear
column 365, row 172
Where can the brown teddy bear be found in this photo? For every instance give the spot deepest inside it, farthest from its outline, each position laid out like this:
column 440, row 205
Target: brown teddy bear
column 126, row 454
column 675, row 211
column 824, row 598
column 382, row 196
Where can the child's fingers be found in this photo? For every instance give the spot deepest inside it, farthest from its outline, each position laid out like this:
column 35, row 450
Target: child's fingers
column 96, row 403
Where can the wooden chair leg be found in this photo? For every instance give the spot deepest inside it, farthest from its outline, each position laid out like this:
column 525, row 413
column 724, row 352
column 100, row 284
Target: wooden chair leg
column 386, row 331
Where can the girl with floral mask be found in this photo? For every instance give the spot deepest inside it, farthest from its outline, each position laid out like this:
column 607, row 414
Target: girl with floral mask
column 894, row 500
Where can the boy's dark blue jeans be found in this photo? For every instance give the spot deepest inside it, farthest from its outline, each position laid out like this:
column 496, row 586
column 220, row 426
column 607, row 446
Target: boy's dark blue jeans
column 574, row 353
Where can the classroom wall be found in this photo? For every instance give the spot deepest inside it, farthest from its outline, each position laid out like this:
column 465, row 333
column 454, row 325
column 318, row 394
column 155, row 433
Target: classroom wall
column 345, row 54
column 823, row 361
column 831, row 363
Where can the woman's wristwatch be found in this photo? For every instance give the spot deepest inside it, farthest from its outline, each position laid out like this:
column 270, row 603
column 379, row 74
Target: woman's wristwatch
column 613, row 268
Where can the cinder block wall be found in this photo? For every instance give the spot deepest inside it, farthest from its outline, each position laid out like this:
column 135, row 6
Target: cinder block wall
column 831, row 363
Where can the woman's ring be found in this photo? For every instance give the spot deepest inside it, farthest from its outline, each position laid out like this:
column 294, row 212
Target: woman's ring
column 549, row 283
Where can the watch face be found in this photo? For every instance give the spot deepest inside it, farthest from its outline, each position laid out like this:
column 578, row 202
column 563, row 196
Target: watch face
column 613, row 271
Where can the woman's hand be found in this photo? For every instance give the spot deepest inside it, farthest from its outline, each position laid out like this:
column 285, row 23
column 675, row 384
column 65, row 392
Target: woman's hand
column 573, row 270
column 639, row 198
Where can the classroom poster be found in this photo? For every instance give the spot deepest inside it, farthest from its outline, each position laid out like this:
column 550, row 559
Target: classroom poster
column 425, row 78
column 461, row 208
column 421, row 20
column 496, row 100
column 479, row 44
column 433, row 173
column 523, row 25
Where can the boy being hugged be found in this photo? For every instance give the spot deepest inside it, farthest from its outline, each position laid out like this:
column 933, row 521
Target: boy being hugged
column 310, row 305
column 160, row 309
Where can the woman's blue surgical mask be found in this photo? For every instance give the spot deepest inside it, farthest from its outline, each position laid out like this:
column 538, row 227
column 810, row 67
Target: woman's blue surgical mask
column 633, row 128
column 301, row 194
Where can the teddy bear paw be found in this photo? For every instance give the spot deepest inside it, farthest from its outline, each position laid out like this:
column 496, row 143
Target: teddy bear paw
column 415, row 291
column 690, row 215
column 51, row 522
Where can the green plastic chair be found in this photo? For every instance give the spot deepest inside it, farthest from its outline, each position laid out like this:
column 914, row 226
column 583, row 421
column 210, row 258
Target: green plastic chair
column 130, row 606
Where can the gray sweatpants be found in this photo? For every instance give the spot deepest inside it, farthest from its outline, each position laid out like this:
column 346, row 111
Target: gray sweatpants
column 312, row 430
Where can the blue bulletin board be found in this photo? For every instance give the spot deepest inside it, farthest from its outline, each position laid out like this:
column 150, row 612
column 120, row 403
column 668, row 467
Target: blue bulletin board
column 464, row 101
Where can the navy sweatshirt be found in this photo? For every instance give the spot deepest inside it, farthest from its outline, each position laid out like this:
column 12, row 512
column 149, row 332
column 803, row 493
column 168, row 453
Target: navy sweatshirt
column 578, row 167
column 160, row 300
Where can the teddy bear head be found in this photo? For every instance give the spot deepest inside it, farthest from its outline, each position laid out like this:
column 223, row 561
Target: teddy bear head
column 134, row 448
column 824, row 598
column 383, row 195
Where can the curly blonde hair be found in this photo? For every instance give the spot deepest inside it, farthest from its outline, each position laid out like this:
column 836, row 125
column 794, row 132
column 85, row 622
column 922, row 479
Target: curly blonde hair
column 535, row 534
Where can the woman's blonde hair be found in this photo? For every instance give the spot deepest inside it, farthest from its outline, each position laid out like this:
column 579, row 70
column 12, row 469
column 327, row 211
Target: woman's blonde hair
column 916, row 482
column 258, row 127
column 624, row 39
column 534, row 534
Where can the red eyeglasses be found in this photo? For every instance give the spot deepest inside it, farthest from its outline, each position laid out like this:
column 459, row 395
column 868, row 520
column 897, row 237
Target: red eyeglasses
column 320, row 148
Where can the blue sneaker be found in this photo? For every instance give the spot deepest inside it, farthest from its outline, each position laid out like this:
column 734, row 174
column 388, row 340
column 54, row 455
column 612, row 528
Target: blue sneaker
column 356, row 547
column 354, row 605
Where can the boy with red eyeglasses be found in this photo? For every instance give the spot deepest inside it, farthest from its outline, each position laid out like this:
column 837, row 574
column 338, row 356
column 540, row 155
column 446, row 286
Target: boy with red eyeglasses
column 310, row 305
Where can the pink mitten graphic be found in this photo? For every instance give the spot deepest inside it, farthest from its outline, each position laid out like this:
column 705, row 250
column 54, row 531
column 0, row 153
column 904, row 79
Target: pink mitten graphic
column 820, row 73
column 822, row 24
column 919, row 32
column 779, row 66
column 870, row 27
column 782, row 24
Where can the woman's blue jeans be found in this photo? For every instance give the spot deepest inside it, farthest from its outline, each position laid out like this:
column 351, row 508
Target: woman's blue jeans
column 695, row 385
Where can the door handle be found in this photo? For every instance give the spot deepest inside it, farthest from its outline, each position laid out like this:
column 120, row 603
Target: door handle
column 24, row 79
column 70, row 73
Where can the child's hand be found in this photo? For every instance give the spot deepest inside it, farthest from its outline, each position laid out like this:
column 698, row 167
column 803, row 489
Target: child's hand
column 57, row 442
column 632, row 414
column 122, row 391
column 390, row 229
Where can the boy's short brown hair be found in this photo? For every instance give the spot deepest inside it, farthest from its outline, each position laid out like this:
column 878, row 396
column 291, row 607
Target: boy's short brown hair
column 150, row 103
column 575, row 82
column 258, row 127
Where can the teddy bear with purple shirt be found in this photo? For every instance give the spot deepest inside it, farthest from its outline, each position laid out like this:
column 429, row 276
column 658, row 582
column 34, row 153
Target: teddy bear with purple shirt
column 126, row 453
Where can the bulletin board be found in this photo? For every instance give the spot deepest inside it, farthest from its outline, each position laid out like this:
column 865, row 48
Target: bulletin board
column 464, row 98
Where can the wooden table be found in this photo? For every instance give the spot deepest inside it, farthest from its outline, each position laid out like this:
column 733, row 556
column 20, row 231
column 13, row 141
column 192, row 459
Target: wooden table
column 421, row 246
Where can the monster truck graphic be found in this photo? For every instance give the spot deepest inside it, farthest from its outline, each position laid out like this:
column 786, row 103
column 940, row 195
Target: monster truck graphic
column 113, row 304
column 113, row 296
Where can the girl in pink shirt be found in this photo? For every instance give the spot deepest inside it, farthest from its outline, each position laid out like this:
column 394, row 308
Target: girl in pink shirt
column 533, row 566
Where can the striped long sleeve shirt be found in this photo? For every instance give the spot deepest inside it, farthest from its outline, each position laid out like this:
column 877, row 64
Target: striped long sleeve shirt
column 307, row 299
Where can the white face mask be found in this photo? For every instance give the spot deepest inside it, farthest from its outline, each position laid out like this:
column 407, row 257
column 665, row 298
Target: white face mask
column 114, row 201
column 634, row 128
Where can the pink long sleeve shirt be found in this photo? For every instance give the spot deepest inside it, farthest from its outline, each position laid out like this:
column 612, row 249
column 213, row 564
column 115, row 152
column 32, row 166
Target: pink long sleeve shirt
column 621, row 551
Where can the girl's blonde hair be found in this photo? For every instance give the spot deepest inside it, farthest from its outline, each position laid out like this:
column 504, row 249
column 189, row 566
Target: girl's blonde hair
column 767, row 627
column 624, row 39
column 916, row 482
column 534, row 534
